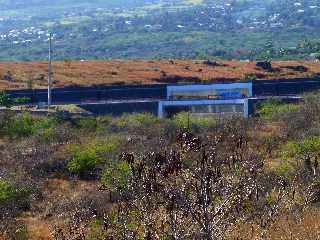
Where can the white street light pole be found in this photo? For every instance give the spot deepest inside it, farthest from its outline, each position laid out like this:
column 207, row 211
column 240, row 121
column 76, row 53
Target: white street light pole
column 50, row 72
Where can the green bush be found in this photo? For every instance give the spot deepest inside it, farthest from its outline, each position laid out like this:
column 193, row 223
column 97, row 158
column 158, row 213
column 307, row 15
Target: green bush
column 20, row 126
column 26, row 125
column 307, row 147
column 284, row 169
column 135, row 121
column 85, row 157
column 97, row 230
column 168, row 129
column 145, row 119
column 5, row 100
column 9, row 193
column 87, row 123
column 22, row 100
column 274, row 108
column 185, row 120
column 290, row 149
column 305, row 151
column 116, row 176
column 310, row 146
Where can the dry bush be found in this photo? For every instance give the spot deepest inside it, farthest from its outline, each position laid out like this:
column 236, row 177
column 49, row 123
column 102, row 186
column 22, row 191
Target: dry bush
column 208, row 182
column 195, row 189
column 73, row 217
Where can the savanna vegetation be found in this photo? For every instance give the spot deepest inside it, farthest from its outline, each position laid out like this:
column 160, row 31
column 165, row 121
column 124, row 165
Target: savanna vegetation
column 32, row 75
column 140, row 177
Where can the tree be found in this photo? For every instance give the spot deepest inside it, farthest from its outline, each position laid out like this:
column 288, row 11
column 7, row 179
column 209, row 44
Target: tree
column 5, row 100
column 195, row 190
column 306, row 150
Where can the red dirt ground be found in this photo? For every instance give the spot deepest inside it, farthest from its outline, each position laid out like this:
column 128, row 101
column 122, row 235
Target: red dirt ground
column 87, row 73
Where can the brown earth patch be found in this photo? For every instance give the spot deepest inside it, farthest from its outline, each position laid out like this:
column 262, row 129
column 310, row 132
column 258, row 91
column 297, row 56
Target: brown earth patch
column 119, row 72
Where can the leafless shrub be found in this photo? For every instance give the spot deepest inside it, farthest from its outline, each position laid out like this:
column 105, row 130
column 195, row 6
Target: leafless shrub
column 197, row 189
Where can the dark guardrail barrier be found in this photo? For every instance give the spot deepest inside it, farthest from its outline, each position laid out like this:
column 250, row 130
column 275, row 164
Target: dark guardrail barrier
column 117, row 109
column 281, row 87
column 88, row 94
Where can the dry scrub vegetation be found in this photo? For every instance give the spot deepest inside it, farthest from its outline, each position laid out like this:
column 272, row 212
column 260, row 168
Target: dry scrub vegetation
column 87, row 73
column 140, row 177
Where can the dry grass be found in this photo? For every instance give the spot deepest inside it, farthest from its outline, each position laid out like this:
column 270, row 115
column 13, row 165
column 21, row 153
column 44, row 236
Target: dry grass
column 38, row 229
column 89, row 73
column 37, row 223
column 286, row 227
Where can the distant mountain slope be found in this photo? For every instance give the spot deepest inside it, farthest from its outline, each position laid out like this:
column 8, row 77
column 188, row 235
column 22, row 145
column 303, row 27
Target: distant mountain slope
column 104, row 29
column 14, row 4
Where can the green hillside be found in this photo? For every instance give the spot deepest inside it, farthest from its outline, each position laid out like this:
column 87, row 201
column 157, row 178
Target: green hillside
column 98, row 29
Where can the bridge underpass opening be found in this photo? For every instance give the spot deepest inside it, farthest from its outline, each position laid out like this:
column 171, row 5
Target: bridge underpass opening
column 204, row 108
